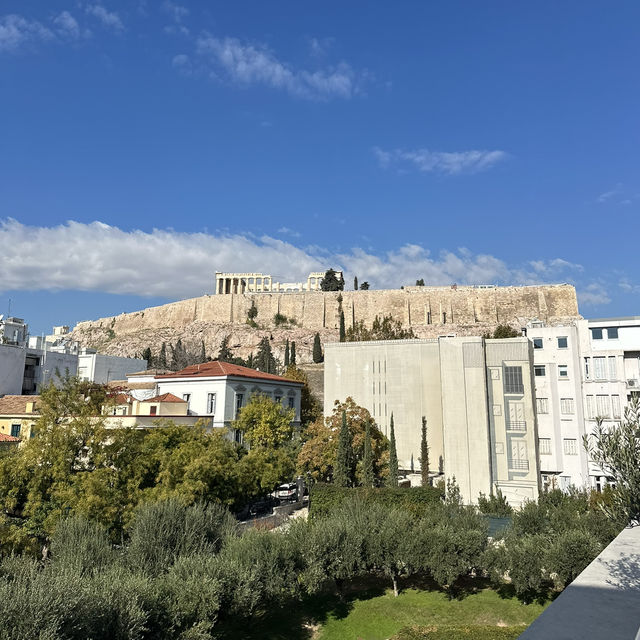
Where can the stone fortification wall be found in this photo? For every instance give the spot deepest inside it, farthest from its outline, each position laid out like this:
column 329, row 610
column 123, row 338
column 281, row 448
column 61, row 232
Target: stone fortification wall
column 429, row 311
column 414, row 307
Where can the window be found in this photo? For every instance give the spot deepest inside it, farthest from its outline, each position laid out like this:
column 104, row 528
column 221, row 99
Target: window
column 278, row 399
column 237, row 436
column 186, row 397
column 600, row 368
column 567, row 406
column 545, row 446
column 587, row 373
column 563, row 343
column 570, row 446
column 542, row 405
column 513, row 380
column 153, row 410
column 563, row 371
column 615, row 405
column 537, row 343
column 591, row 408
column 519, row 459
column 15, row 430
column 211, row 403
column 612, row 333
column 596, row 334
column 539, row 371
column 613, row 374
column 602, row 406
column 292, row 403
column 239, row 399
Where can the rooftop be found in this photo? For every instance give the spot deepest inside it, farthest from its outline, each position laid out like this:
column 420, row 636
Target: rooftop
column 218, row 369
column 5, row 438
column 165, row 397
column 17, row 405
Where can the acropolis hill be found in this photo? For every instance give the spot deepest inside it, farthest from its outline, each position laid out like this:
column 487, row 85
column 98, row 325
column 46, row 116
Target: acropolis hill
column 430, row 311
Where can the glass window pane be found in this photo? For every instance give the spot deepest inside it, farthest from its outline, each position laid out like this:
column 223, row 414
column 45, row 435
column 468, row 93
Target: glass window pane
column 596, row 334
column 612, row 333
column 562, row 343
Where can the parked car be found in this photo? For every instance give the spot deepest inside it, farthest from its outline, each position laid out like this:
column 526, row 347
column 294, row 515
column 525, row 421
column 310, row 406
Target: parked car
column 287, row 491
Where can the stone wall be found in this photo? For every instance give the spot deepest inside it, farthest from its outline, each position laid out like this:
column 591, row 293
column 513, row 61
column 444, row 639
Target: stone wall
column 414, row 306
column 429, row 311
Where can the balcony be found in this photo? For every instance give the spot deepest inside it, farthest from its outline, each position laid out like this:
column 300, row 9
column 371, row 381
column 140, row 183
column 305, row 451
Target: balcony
column 519, row 465
column 513, row 387
column 516, row 425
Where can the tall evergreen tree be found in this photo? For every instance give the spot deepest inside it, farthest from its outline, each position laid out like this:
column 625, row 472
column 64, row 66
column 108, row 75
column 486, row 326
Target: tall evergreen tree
column 317, row 349
column 342, row 469
column 146, row 355
column 343, row 333
column 292, row 356
column 264, row 360
column 225, row 354
column 162, row 358
column 424, row 454
column 286, row 354
column 203, row 353
column 368, row 477
column 355, row 283
column 393, row 456
column 331, row 282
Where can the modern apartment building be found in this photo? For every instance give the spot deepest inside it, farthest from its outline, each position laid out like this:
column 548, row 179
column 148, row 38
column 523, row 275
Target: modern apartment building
column 477, row 396
column 559, row 405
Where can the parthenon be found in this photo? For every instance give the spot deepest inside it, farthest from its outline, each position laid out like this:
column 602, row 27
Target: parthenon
column 228, row 283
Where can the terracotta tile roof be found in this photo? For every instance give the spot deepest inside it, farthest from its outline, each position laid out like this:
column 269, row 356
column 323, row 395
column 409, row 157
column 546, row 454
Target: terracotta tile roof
column 5, row 438
column 17, row 405
column 217, row 369
column 123, row 384
column 149, row 372
column 165, row 397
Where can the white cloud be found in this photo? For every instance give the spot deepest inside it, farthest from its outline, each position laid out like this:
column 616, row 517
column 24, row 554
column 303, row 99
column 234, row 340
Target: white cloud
column 593, row 295
column 182, row 63
column 109, row 19
column 172, row 264
column 288, row 232
column 607, row 195
column 549, row 267
column 67, row 25
column 247, row 64
column 176, row 11
column 17, row 32
column 449, row 162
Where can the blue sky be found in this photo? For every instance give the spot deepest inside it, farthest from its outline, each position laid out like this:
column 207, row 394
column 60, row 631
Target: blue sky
column 147, row 144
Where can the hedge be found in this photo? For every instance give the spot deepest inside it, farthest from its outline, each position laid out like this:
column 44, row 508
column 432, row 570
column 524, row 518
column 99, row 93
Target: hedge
column 459, row 633
column 324, row 498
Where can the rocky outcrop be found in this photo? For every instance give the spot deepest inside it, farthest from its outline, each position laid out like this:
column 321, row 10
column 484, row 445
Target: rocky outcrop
column 429, row 311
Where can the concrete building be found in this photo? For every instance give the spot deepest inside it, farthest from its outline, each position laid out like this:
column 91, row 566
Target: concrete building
column 559, row 406
column 234, row 283
column 101, row 368
column 18, row 414
column 217, row 390
column 13, row 331
column 477, row 397
column 12, row 369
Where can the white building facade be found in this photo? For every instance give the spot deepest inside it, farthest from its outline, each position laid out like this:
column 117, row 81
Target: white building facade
column 477, row 397
column 217, row 391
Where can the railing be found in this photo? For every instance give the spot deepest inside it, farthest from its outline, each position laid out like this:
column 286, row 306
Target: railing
column 519, row 465
column 513, row 388
column 516, row 425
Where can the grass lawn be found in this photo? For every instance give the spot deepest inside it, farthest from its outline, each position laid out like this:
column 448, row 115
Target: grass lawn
column 371, row 612
column 382, row 616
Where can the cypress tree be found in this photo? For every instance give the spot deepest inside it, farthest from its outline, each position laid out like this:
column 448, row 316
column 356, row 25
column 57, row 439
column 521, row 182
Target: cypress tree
column 292, row 356
column 286, row 354
column 342, row 468
column 317, row 349
column 424, row 454
column 203, row 353
column 368, row 478
column 393, row 456
column 343, row 333
column 146, row 355
column 355, row 283
column 162, row 358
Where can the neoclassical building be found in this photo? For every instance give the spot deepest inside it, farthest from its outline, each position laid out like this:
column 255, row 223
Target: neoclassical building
column 229, row 283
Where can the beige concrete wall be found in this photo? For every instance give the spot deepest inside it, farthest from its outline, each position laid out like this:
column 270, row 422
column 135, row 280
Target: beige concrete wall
column 450, row 382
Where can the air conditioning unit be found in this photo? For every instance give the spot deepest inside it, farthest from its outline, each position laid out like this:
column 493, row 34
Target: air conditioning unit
column 632, row 382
